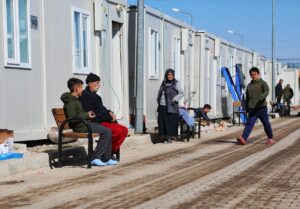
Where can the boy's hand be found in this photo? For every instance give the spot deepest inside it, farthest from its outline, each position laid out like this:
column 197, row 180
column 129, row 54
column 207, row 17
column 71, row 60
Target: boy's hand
column 91, row 114
column 113, row 116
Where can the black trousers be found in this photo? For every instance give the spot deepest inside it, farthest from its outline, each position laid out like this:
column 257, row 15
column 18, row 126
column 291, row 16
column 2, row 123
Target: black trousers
column 288, row 104
column 278, row 99
column 167, row 122
column 104, row 144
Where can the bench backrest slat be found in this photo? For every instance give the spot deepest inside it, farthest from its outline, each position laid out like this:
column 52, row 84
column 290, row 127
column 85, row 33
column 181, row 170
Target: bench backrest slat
column 237, row 104
column 59, row 116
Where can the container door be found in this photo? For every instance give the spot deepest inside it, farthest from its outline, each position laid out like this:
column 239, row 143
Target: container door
column 207, row 77
column 117, row 82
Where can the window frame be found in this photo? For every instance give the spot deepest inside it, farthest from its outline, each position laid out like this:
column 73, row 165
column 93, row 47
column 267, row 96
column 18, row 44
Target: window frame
column 153, row 73
column 16, row 61
column 82, row 13
column 176, row 55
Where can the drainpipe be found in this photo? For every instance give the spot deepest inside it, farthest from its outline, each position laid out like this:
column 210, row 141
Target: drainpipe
column 140, row 70
column 273, row 51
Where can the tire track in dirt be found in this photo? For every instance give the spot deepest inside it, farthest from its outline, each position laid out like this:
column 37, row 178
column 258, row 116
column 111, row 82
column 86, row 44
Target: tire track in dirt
column 181, row 175
column 264, row 175
column 29, row 197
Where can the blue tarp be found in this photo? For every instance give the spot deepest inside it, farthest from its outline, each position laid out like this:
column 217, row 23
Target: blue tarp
column 186, row 117
column 11, row 155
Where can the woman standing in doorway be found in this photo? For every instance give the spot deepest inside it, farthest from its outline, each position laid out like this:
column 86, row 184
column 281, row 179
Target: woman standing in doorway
column 169, row 94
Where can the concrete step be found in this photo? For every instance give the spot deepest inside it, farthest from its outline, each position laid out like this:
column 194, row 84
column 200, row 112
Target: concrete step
column 35, row 160
column 31, row 162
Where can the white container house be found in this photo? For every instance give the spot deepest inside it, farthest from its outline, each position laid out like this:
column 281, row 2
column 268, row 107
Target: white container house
column 168, row 44
column 45, row 42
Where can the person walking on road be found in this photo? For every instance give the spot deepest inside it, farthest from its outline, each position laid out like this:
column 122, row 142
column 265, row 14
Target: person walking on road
column 288, row 94
column 169, row 94
column 278, row 91
column 256, row 106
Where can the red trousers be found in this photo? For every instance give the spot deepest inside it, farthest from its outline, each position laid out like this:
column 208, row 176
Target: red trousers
column 119, row 134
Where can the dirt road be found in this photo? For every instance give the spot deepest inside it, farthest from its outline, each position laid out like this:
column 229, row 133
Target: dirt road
column 215, row 173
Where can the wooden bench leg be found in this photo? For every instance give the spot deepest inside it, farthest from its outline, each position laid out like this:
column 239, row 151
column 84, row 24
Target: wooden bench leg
column 193, row 131
column 233, row 121
column 181, row 129
column 60, row 149
column 90, row 151
column 188, row 133
column 118, row 154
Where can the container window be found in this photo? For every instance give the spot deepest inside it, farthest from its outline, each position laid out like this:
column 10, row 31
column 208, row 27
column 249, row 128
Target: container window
column 17, row 33
column 154, row 54
column 177, row 57
column 81, row 46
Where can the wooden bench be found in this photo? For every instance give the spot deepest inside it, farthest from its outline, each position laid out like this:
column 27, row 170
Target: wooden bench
column 65, row 131
column 197, row 125
column 237, row 109
column 198, row 122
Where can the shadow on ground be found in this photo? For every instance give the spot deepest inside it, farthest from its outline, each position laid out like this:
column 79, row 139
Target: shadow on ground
column 72, row 156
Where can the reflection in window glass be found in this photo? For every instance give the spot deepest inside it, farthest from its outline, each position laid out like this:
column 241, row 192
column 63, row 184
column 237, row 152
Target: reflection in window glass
column 177, row 56
column 17, row 32
column 10, row 29
column 77, row 39
column 154, row 53
column 84, row 41
column 81, row 35
column 23, row 31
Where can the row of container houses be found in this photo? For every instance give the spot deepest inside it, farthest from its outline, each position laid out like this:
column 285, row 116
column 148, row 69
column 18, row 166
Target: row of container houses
column 45, row 42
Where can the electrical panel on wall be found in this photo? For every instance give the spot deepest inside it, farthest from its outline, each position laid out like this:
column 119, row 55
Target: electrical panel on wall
column 100, row 15
column 184, row 39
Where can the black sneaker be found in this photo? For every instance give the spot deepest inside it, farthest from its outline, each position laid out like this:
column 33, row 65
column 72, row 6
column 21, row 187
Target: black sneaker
column 114, row 157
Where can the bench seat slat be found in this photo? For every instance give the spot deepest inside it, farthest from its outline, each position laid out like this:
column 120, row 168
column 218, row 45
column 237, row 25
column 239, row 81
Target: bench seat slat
column 59, row 116
column 78, row 135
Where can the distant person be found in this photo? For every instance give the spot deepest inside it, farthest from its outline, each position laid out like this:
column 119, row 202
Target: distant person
column 202, row 112
column 73, row 107
column 278, row 91
column 91, row 101
column 256, row 106
column 169, row 94
column 288, row 94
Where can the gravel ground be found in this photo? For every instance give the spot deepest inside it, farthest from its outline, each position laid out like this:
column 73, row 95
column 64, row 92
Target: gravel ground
column 211, row 172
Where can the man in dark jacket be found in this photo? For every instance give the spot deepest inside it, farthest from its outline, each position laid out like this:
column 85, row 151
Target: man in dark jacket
column 256, row 106
column 73, row 107
column 278, row 91
column 91, row 101
column 288, row 94
column 202, row 112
